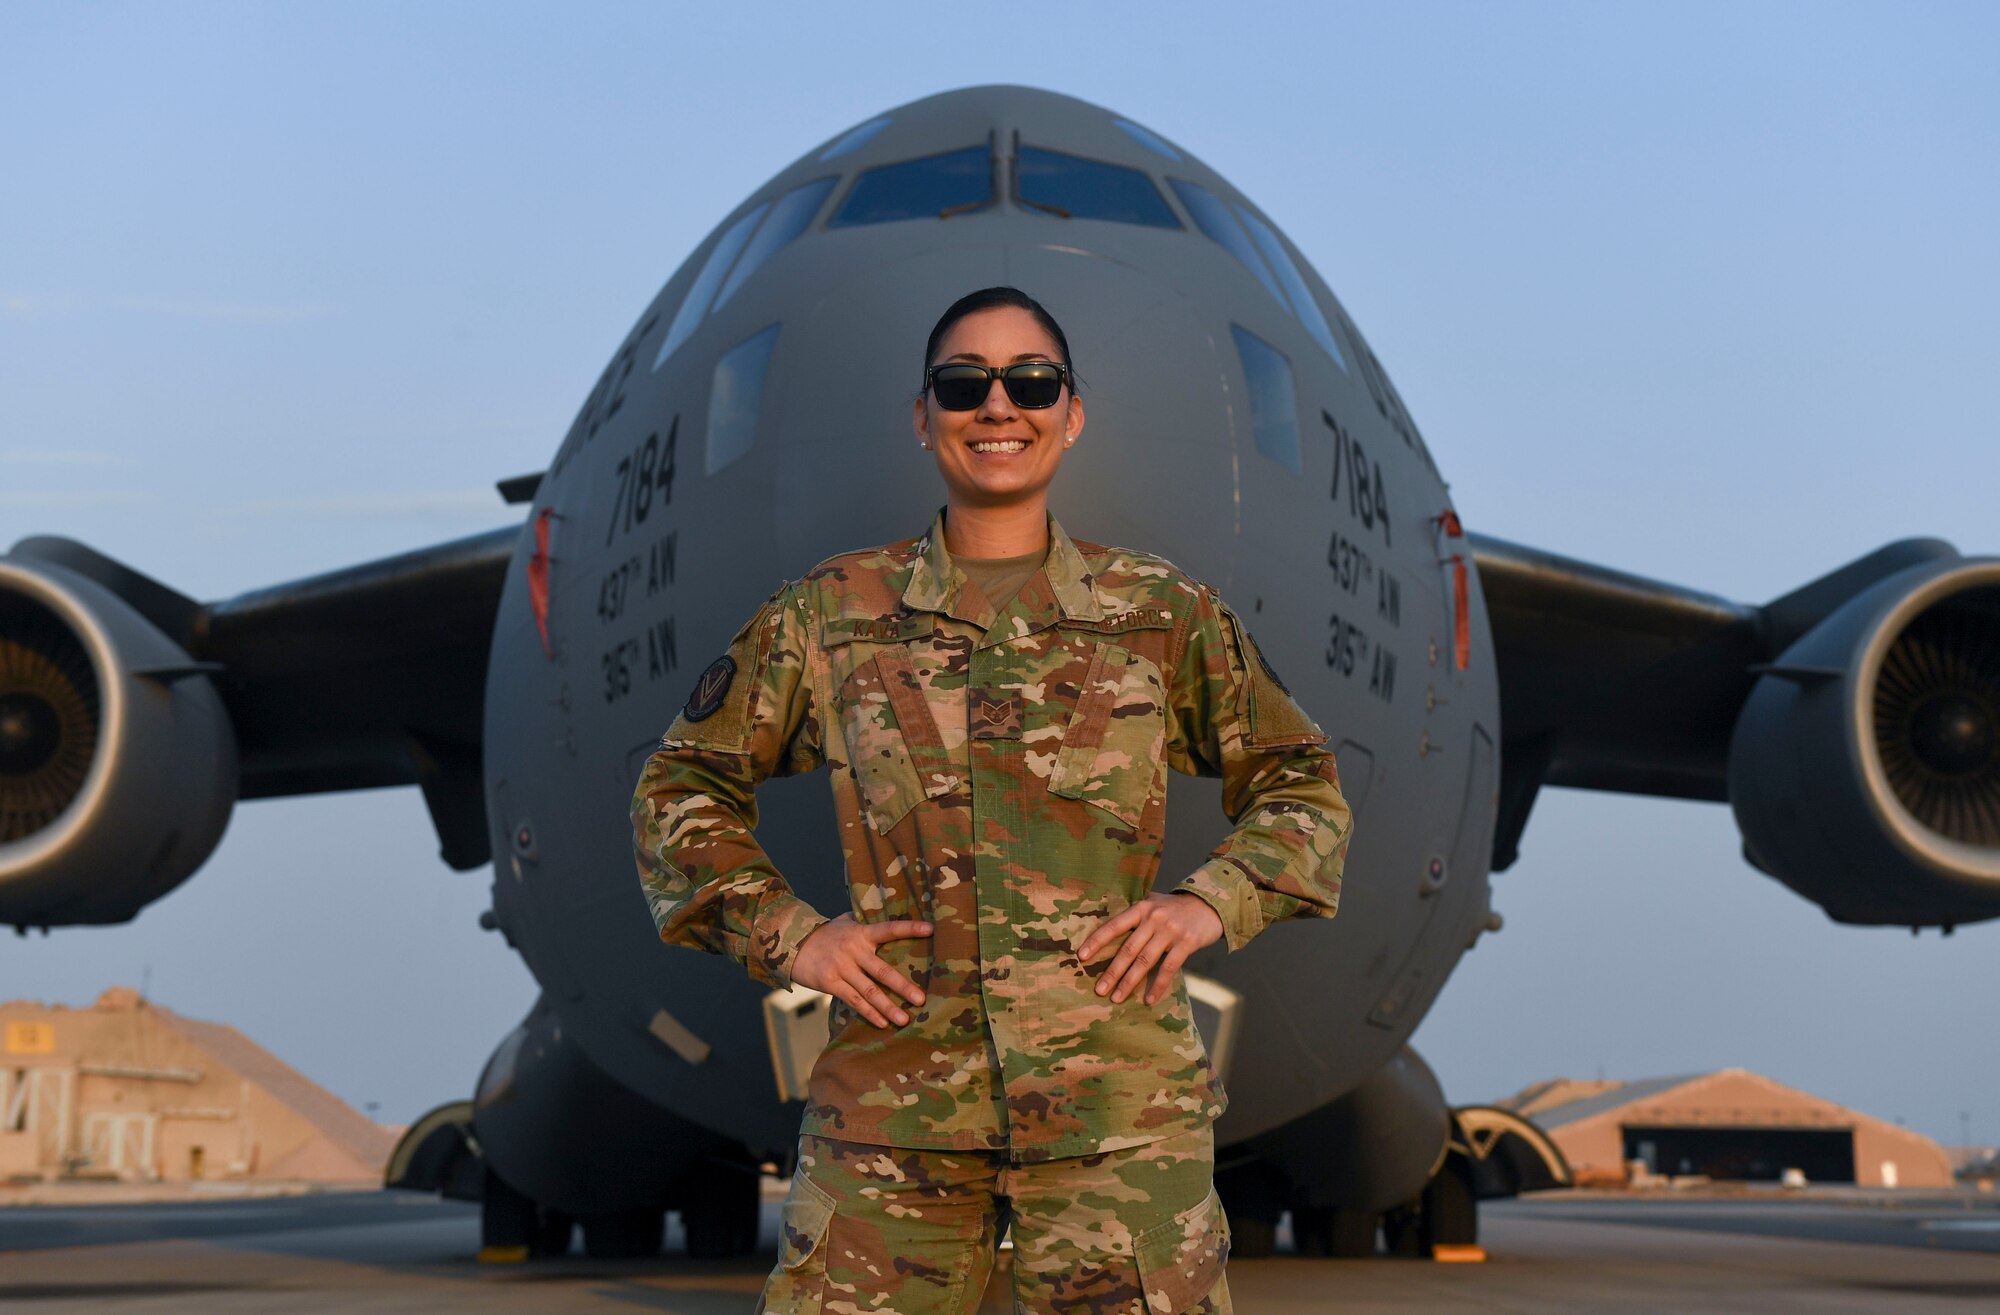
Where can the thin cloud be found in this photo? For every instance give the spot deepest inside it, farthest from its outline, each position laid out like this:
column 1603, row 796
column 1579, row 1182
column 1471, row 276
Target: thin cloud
column 60, row 457
column 225, row 312
column 27, row 306
column 21, row 304
column 407, row 504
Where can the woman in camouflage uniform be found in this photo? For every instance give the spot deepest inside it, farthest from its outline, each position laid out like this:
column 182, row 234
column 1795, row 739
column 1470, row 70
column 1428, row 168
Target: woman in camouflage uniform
column 1010, row 1034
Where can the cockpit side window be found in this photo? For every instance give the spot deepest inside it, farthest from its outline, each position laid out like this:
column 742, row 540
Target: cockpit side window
column 1076, row 188
column 788, row 218
column 933, row 187
column 736, row 397
column 1214, row 219
column 1274, row 400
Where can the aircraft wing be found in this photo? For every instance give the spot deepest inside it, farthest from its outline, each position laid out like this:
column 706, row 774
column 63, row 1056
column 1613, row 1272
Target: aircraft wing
column 368, row 676
column 1844, row 722
column 372, row 675
column 1610, row 681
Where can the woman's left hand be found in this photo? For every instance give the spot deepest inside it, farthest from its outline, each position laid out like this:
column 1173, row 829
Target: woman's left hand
column 1165, row 930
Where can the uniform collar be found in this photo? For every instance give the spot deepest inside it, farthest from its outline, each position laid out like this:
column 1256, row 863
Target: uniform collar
column 936, row 584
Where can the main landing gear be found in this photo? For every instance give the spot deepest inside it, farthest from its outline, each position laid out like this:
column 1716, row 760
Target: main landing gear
column 1489, row 1153
column 718, row 1195
column 1445, row 1213
column 719, row 1215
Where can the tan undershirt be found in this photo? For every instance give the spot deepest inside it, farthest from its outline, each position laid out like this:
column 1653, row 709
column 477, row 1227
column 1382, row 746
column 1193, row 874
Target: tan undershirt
column 1000, row 578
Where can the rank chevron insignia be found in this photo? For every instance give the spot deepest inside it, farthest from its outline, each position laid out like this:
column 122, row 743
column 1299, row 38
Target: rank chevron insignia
column 709, row 688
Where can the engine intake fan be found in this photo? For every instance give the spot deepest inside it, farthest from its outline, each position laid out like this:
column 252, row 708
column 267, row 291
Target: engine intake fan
column 49, row 712
column 118, row 766
column 1864, row 769
column 1937, row 719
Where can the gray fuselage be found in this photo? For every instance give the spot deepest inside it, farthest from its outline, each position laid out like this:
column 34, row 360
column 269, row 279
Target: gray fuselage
column 775, row 432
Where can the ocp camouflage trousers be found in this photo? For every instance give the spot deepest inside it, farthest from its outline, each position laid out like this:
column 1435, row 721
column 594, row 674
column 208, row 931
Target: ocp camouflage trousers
column 888, row 1230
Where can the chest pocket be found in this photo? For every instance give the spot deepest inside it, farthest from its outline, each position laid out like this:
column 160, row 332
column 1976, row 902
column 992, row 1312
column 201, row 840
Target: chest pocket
column 893, row 744
column 1113, row 754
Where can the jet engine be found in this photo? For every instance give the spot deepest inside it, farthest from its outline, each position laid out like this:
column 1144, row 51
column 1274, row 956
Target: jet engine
column 1864, row 768
column 118, row 764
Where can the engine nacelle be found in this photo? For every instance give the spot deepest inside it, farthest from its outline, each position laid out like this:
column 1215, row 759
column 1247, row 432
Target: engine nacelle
column 117, row 758
column 1864, row 769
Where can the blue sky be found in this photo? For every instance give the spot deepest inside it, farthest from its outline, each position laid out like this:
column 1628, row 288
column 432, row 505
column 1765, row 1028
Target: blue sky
column 1705, row 292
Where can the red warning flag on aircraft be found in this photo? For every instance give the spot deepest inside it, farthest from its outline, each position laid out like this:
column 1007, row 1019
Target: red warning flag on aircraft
column 538, row 577
column 1461, row 590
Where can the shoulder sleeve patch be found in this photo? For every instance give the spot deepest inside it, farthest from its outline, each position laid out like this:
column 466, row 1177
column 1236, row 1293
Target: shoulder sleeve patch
column 1274, row 717
column 721, row 706
column 710, row 688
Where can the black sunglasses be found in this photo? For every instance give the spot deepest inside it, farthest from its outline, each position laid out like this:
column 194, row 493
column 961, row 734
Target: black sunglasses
column 962, row 386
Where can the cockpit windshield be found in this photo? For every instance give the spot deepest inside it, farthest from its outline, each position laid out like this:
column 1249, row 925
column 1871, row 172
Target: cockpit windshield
column 1149, row 139
column 1076, row 188
column 854, row 139
column 933, row 187
column 789, row 218
column 696, row 303
column 1214, row 219
column 750, row 241
column 1296, row 290
column 1256, row 246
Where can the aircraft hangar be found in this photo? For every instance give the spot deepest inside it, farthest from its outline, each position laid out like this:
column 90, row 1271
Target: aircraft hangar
column 127, row 1089
column 1726, row 1125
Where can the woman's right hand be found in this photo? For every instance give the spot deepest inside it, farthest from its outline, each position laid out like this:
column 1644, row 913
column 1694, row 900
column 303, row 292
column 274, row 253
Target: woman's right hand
column 838, row 957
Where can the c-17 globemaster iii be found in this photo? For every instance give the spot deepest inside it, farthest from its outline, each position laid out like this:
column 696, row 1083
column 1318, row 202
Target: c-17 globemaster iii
column 1240, row 426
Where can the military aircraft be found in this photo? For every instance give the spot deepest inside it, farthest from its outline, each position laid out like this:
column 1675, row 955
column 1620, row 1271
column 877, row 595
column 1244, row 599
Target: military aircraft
column 753, row 422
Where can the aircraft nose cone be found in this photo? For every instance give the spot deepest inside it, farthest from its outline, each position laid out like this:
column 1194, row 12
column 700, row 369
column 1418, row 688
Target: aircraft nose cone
column 1953, row 734
column 30, row 733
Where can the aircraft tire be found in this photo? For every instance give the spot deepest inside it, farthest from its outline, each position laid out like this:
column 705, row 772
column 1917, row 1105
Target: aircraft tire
column 624, row 1234
column 1450, row 1210
column 1253, row 1198
column 554, row 1232
column 1403, row 1232
column 507, row 1219
column 723, row 1223
column 1331, row 1231
column 1253, row 1237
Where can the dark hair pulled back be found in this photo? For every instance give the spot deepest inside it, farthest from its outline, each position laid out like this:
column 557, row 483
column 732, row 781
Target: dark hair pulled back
column 989, row 299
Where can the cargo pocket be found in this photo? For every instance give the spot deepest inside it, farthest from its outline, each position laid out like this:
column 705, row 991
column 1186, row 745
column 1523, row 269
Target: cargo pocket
column 798, row 1284
column 1114, row 749
column 1181, row 1260
column 893, row 743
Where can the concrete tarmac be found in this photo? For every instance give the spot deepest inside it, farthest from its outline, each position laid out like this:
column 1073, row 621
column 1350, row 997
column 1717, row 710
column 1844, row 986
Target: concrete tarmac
column 392, row 1252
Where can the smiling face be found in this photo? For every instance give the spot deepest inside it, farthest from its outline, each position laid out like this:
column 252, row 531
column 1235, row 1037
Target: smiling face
column 998, row 454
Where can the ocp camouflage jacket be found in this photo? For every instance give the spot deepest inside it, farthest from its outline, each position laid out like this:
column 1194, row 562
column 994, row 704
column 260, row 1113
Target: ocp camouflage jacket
column 1003, row 776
